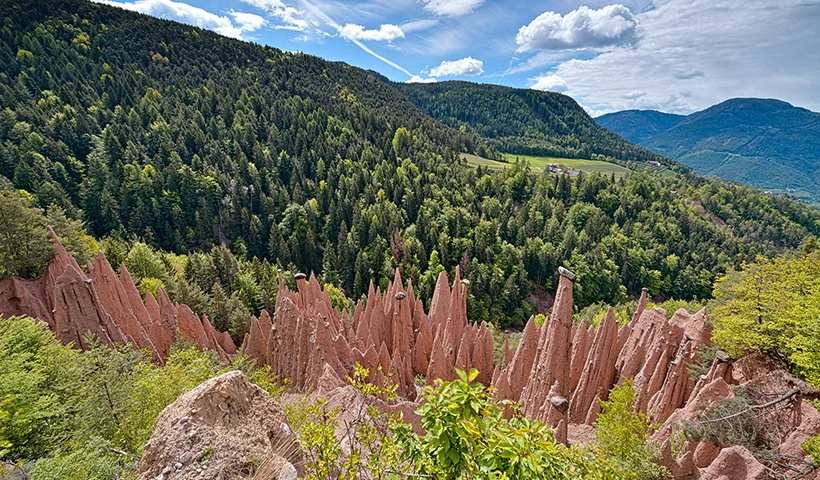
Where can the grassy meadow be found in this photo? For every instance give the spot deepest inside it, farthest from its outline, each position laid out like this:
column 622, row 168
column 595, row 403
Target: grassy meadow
column 537, row 164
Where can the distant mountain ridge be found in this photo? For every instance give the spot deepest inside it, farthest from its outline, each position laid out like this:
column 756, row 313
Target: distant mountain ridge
column 764, row 143
column 639, row 125
column 523, row 121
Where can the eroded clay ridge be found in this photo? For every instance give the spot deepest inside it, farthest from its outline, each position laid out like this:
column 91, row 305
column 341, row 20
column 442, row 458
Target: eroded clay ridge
column 108, row 306
column 559, row 370
column 390, row 334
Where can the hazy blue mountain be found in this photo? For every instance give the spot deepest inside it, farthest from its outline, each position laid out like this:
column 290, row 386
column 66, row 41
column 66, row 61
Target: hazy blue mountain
column 638, row 125
column 765, row 143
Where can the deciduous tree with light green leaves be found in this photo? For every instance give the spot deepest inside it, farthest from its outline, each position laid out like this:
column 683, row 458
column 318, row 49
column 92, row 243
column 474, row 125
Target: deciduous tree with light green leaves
column 772, row 306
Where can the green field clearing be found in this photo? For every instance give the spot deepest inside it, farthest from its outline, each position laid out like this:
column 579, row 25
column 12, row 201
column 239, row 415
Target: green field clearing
column 537, row 164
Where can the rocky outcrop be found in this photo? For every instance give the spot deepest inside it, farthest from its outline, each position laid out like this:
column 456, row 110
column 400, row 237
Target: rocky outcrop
column 735, row 462
column 550, row 375
column 389, row 334
column 598, row 372
column 217, row 430
column 107, row 306
column 559, row 371
column 786, row 424
column 581, row 364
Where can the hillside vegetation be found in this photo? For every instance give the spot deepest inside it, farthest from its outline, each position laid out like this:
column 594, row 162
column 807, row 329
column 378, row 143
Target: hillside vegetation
column 170, row 142
column 522, row 121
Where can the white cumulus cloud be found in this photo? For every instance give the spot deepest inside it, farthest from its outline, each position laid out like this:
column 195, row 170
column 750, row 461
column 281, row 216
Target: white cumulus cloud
column 184, row 13
column 418, row 79
column 696, row 53
column 451, row 8
column 248, row 21
column 612, row 25
column 291, row 17
column 386, row 33
column 550, row 83
column 465, row 67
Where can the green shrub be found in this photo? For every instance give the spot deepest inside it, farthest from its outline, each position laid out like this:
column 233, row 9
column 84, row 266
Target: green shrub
column 622, row 434
column 143, row 261
column 468, row 437
column 36, row 372
column 671, row 306
column 150, row 284
column 74, row 407
column 772, row 306
column 812, row 447
column 373, row 452
column 154, row 387
column 93, row 461
column 595, row 313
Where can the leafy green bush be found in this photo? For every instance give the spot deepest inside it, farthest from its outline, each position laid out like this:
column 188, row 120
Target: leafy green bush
column 93, row 461
column 672, row 305
column 372, row 449
column 144, row 262
column 595, row 313
column 75, row 408
column 150, row 284
column 622, row 434
column 36, row 373
column 812, row 447
column 468, row 437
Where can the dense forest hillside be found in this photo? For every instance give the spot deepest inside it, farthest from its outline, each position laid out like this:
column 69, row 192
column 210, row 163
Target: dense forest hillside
column 211, row 163
column 764, row 143
column 638, row 125
column 522, row 121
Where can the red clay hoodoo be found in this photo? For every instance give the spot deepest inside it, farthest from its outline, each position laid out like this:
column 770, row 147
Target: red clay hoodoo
column 75, row 304
column 390, row 335
column 559, row 371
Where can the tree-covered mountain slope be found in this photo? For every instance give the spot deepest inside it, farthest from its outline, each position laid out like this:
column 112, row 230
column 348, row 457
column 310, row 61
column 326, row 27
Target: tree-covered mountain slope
column 638, row 125
column 156, row 132
column 522, row 121
column 765, row 143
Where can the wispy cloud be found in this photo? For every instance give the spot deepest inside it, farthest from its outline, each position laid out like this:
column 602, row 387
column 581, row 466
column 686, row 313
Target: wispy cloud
column 452, row 8
column 290, row 17
column 539, row 60
column 313, row 9
column 419, row 25
column 248, row 22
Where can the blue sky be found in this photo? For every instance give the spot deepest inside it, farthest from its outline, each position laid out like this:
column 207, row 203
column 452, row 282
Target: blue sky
column 672, row 55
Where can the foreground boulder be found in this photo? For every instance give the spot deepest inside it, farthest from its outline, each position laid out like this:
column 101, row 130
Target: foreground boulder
column 735, row 463
column 222, row 429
